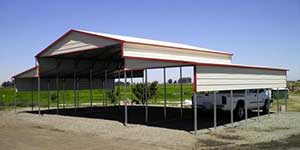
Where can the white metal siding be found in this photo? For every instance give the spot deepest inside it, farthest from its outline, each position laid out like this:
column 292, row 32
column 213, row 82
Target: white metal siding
column 157, row 52
column 142, row 64
column 77, row 42
column 28, row 74
column 216, row 78
column 153, row 42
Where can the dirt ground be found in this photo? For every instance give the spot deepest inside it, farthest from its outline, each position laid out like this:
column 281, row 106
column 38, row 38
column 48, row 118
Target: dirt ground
column 29, row 131
column 19, row 134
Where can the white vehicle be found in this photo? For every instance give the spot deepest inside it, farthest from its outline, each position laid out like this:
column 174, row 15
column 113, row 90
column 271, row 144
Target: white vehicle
column 205, row 101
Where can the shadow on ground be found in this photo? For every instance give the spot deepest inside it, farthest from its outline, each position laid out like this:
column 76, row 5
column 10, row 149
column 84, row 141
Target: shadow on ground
column 136, row 115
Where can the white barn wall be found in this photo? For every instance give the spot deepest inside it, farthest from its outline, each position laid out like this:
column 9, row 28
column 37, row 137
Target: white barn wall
column 76, row 42
column 217, row 78
column 157, row 52
column 28, row 73
column 142, row 64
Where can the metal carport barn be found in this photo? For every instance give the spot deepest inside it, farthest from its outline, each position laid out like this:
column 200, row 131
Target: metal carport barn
column 89, row 60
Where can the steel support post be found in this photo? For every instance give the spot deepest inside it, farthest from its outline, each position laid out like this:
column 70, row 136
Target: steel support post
column 78, row 92
column 215, row 110
column 146, row 97
column 104, row 94
column 57, row 94
column 277, row 100
column 64, row 93
column 49, row 96
column 195, row 113
column 32, row 83
column 119, row 87
column 39, row 94
column 131, row 85
column 165, row 95
column 257, row 101
column 246, row 106
column 105, row 83
column 181, row 94
column 143, row 98
column 269, row 103
column 285, row 100
column 91, row 90
column 125, row 97
column 75, row 94
column 15, row 96
column 231, row 107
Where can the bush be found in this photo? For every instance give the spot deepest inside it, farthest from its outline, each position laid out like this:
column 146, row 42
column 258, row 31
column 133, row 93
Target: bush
column 111, row 95
column 152, row 91
column 170, row 81
column 137, row 90
column 54, row 97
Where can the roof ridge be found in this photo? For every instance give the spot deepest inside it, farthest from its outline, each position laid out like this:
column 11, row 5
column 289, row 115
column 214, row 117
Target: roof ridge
column 148, row 41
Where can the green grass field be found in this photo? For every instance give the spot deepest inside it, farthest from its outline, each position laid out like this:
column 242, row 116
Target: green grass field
column 99, row 96
column 293, row 102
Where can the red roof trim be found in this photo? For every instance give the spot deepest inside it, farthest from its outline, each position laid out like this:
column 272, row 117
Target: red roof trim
column 122, row 49
column 206, row 64
column 195, row 79
column 32, row 68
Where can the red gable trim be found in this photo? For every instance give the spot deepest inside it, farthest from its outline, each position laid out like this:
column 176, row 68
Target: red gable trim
column 195, row 79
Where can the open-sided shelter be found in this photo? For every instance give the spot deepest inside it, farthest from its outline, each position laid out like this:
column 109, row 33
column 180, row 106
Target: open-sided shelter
column 94, row 60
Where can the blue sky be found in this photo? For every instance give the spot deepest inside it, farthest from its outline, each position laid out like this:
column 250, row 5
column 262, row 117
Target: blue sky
column 258, row 32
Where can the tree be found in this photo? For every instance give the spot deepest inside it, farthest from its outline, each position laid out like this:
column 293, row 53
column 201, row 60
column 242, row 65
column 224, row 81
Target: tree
column 152, row 91
column 122, row 83
column 111, row 95
column 53, row 97
column 170, row 81
column 137, row 90
column 153, row 88
column 185, row 80
column 6, row 84
column 174, row 82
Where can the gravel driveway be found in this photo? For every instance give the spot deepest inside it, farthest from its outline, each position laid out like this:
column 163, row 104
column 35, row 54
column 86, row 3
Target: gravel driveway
column 30, row 131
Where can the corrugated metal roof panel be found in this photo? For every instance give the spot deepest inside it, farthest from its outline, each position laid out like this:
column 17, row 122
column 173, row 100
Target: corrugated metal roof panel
column 152, row 42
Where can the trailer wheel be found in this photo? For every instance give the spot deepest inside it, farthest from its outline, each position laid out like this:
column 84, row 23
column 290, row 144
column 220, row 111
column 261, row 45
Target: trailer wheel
column 239, row 111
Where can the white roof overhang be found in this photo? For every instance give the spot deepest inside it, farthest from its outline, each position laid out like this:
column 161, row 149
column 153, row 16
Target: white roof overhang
column 214, row 77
